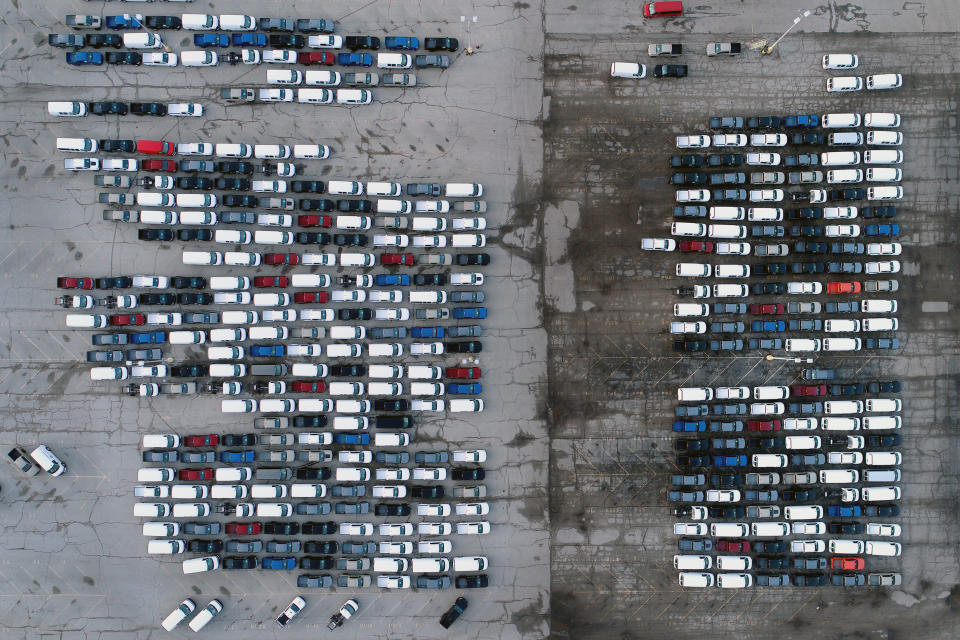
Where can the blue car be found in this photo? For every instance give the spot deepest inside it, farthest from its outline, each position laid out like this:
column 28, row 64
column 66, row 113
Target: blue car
column 730, row 461
column 880, row 229
column 249, row 39
column 456, row 388
column 278, row 563
column 426, row 332
column 355, row 59
column 150, row 337
column 267, row 350
column 470, row 312
column 211, row 40
column 390, row 279
column 124, row 21
column 352, row 438
column 404, row 43
column 844, row 511
column 236, row 456
column 768, row 325
column 84, row 58
column 688, row 426
column 801, row 121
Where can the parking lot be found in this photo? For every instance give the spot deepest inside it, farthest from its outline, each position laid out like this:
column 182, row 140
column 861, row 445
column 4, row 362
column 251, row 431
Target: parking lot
column 576, row 345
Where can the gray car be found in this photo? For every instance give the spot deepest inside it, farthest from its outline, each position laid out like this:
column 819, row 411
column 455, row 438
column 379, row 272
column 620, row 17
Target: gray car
column 811, row 563
column 390, row 457
column 726, row 426
column 244, row 546
column 423, row 61
column 313, row 508
column 467, row 296
column 470, row 331
column 201, row 528
column 348, row 490
column 433, row 582
column 181, row 388
column 206, row 166
column 352, row 507
column 772, row 580
column 104, row 356
column 431, row 457
column 144, row 354
column 354, row 581
column 201, row 318
column 160, row 456
column 314, row 582
column 398, row 80
column 353, row 564
column 198, row 456
column 382, row 333
column 688, row 480
column 283, row 546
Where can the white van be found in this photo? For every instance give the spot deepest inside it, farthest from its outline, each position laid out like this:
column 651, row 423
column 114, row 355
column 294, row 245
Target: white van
column 226, row 150
column 764, row 214
column 627, row 70
column 769, row 529
column 351, row 474
column 429, row 565
column 880, row 494
column 391, row 189
column 428, row 297
column 156, row 475
column 274, row 509
column 78, row 145
column 343, row 350
column 762, row 460
column 876, row 423
column 196, row 200
column 729, row 529
column 238, row 406
column 876, row 405
column 839, row 476
column 835, row 325
column 344, row 188
column 86, row 320
column 234, row 317
column 842, row 344
column 839, row 158
column 390, row 565
column 468, row 240
column 229, row 283
column 198, row 565
column 155, row 199
column 66, row 108
column 384, row 388
column 149, row 216
column 726, row 231
column 345, row 388
column 882, row 156
column 884, row 81
column 141, row 40
column 692, row 229
column 384, row 349
column 693, row 270
column 726, row 213
column 272, row 237
column 48, row 461
column 884, row 193
column 771, row 393
column 802, row 442
column 161, row 529
column 835, row 407
column 284, row 76
column 840, row 120
column 844, row 176
column 151, row 509
column 206, row 218
column 394, row 61
column 393, row 206
column 884, row 138
column 357, row 259
column 202, row 257
column 463, row 190
column 348, row 332
column 803, row 512
column 463, row 405
column 699, row 580
column 322, row 79
column 354, row 222
column 882, row 548
column 354, row 96
column 882, row 120
column 692, row 562
column 694, row 394
column 109, row 373
column 840, row 424
column 846, row 547
column 879, row 306
column 730, row 291
column 690, row 309
column 881, row 475
column 845, row 139
column 883, row 458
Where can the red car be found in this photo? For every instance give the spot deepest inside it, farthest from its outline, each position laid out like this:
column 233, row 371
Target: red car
column 846, row 564
column 271, row 281
column 734, row 546
column 308, row 297
column 196, row 474
column 809, row 389
column 210, row 440
column 764, row 425
column 315, row 57
column 309, row 386
column 156, row 147
column 159, row 165
column 281, row 258
column 314, row 221
column 767, row 309
column 843, row 287
column 690, row 246
column 662, row 9
column 244, row 528
column 123, row 319
column 67, row 282
column 463, row 372
column 397, row 258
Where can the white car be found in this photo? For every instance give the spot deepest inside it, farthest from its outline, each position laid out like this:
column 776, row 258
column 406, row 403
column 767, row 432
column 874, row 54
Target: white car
column 393, row 582
column 690, row 529
column 842, row 230
column 185, row 109
column 434, row 528
column 321, row 438
column 434, row 546
column 840, row 84
column 310, row 350
column 352, row 295
column 199, row 58
column 178, row 615
column 432, row 473
column 426, row 348
column 688, row 327
column 473, row 509
column 805, row 288
column 768, row 139
column 473, row 528
column 658, row 244
column 388, row 491
column 693, row 142
column 839, row 213
column 317, row 315
column 884, row 249
column 433, row 510
column 285, row 315
column 840, row 61
column 467, row 224
column 279, row 56
column 470, row 455
column 766, row 195
column 250, row 56
column 81, row 164
column 723, row 495
column 237, row 22
column 693, row 195
column 466, row 279
column 356, row 529
column 163, row 183
column 809, row 528
column 763, row 159
column 275, row 95
column 325, row 42
column 729, row 140
column 807, row 546
column 844, row 457
column 158, row 59
column 195, row 149
column 886, row 530
column 426, row 405
column 732, row 248
column 119, row 164
column 385, row 473
column 399, row 529
column 888, row 266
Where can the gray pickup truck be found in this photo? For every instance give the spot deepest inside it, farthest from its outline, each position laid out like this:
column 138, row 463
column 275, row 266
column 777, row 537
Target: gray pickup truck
column 664, row 50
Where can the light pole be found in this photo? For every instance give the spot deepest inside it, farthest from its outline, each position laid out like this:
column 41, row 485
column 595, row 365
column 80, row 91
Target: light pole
column 797, row 360
column 155, row 34
column 767, row 49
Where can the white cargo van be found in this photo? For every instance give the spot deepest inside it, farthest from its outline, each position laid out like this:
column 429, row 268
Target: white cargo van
column 726, row 231
column 694, row 394
column 238, row 406
column 198, row 565
column 879, row 306
column 762, row 460
column 694, row 270
column 840, row 407
column 394, row 61
column 729, row 529
column 86, row 321
column 229, row 283
column 877, row 423
column 690, row 309
column 354, row 222
column 730, row 291
column 803, row 512
column 78, row 145
column 769, row 529
column 883, row 156
column 801, row 344
column 884, row 193
column 354, row 96
column 202, row 257
column 846, row 547
column 883, row 459
column 839, row 476
column 840, row 120
column 881, row 494
column 802, row 442
column 882, row 548
column 839, row 158
column 841, row 344
column 693, row 229
column 463, row 190
column 688, row 562
column 393, row 206
column 875, row 405
column 109, row 373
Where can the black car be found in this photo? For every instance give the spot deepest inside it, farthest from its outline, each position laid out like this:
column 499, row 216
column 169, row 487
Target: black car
column 805, row 246
column 189, row 282
column 391, row 404
column 725, row 159
column 689, row 211
column 846, row 194
column 802, row 160
column 239, row 440
column 458, row 607
column 469, row 259
column 189, row 371
column 324, row 547
column 686, row 160
column 98, row 40
column 194, row 183
column 115, row 146
column 808, row 580
column 809, row 137
column 884, row 386
column 124, row 57
column 317, row 205
column 768, row 344
column 275, row 24
column 848, row 306
column 806, row 231
column 162, row 235
column 423, row 189
column 692, row 177
column 312, row 237
column 319, row 529
column 234, row 200
column 768, row 288
column 231, row 184
column 198, row 235
column 163, row 22
column 115, row 282
column 308, row 186
column 363, row 206
column 727, row 513
column 355, row 43
column 316, row 562
column 735, row 195
column 426, row 492
column 726, row 122
column 355, row 314
column 156, row 299
column 317, row 473
column 851, row 248
column 881, row 510
column 807, row 267
column 769, row 546
column 670, row 71
column 459, row 473
column 148, row 108
column 108, row 108
column 430, row 279
column 764, row 122
column 441, row 44
column 689, row 345
column 766, row 231
column 805, row 324
column 204, row 546
column 315, row 25
column 394, row 422
column 726, row 480
column 348, row 370
column 799, row 196
column 470, row 346
column 854, row 389
column 845, row 528
column 231, row 166
column 844, row 267
column 310, row 422
column 472, row 582
column 240, row 562
column 287, row 41
column 806, row 213
column 888, row 211
column 392, row 510
column 770, row 268
column 772, row 562
column 350, row 240
column 281, row 528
